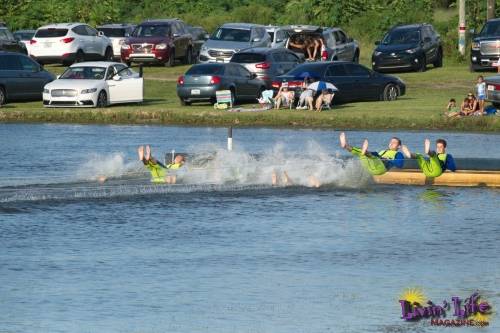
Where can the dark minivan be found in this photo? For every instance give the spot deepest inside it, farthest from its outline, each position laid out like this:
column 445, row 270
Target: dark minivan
column 408, row 47
column 21, row 78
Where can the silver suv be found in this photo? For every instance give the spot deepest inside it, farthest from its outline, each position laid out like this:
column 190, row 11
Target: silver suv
column 231, row 38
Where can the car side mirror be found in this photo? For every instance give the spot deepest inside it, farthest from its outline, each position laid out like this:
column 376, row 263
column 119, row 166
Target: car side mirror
column 100, row 33
column 117, row 78
column 377, row 42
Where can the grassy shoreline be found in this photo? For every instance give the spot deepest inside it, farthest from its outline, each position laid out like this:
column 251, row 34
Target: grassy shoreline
column 420, row 109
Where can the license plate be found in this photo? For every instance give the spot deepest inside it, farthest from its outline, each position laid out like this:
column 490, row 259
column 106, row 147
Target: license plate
column 47, row 45
column 219, row 59
column 195, row 91
column 491, row 88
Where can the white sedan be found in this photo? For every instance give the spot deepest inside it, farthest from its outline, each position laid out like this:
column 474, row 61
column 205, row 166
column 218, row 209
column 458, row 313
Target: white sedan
column 94, row 84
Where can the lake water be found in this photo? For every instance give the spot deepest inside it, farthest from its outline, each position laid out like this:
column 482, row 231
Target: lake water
column 224, row 251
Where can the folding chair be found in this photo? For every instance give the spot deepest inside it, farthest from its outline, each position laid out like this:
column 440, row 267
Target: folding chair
column 223, row 99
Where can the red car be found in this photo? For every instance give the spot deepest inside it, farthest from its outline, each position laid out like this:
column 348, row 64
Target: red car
column 159, row 42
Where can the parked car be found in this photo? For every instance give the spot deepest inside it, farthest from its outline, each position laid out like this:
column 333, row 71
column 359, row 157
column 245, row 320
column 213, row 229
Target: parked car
column 202, row 81
column 493, row 90
column 231, row 38
column 200, row 35
column 21, row 78
column 159, row 42
column 485, row 46
column 67, row 43
column 337, row 44
column 94, row 84
column 267, row 63
column 117, row 33
column 279, row 36
column 408, row 47
column 355, row 82
column 9, row 43
column 24, row 36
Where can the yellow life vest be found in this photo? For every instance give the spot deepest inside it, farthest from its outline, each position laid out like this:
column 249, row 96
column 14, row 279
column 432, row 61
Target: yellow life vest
column 174, row 166
column 388, row 154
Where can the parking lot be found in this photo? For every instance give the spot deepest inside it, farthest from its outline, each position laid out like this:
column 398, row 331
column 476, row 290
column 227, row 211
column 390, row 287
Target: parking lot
column 422, row 106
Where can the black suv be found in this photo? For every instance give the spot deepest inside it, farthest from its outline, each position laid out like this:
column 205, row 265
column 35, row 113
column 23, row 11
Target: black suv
column 485, row 46
column 408, row 47
column 8, row 42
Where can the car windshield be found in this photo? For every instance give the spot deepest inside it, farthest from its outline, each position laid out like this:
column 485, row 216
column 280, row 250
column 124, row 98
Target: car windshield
column 84, row 73
column 491, row 29
column 6, row 34
column 248, row 58
column 230, row 34
column 47, row 33
column 24, row 35
column 151, row 31
column 308, row 70
column 113, row 32
column 402, row 36
column 208, row 69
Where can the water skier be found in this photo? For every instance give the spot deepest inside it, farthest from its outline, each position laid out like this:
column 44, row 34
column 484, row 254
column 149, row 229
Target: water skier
column 160, row 173
column 438, row 160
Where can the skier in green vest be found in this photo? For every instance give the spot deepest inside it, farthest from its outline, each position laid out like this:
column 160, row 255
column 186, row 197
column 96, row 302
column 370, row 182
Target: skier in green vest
column 377, row 163
column 160, row 173
column 438, row 160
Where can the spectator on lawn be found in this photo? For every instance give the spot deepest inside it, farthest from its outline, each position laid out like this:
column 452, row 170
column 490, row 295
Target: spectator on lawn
column 284, row 97
column 481, row 94
column 325, row 97
column 306, row 96
column 469, row 105
column 452, row 110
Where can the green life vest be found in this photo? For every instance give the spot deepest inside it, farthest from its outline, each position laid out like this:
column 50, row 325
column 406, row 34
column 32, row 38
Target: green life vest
column 442, row 157
column 388, row 154
column 174, row 166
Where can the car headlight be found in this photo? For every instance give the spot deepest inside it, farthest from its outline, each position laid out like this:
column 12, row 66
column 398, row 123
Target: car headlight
column 161, row 46
column 411, row 51
column 46, row 91
column 88, row 91
column 125, row 47
column 377, row 53
column 476, row 46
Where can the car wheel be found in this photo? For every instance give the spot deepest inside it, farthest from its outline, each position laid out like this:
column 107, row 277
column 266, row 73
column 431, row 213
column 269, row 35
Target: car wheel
column 233, row 96
column 80, row 56
column 188, row 59
column 184, row 102
column 391, row 92
column 171, row 59
column 108, row 55
column 356, row 57
column 102, row 99
column 423, row 65
column 439, row 60
column 3, row 96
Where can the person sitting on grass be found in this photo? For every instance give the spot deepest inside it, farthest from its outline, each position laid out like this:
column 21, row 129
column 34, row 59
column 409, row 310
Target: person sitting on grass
column 452, row 110
column 284, row 97
column 469, row 105
column 325, row 97
column 376, row 163
column 160, row 172
column 438, row 160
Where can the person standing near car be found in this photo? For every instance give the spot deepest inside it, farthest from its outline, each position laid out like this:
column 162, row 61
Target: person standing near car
column 481, row 93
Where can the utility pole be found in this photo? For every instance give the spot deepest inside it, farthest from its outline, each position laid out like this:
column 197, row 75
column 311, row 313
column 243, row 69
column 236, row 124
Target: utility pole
column 490, row 14
column 461, row 27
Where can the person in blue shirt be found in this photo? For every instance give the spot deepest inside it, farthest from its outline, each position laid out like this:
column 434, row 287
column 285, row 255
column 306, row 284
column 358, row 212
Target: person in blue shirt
column 377, row 163
column 437, row 162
